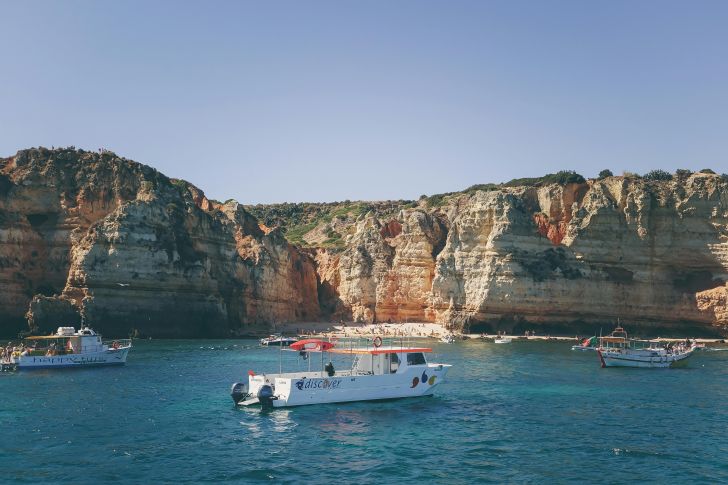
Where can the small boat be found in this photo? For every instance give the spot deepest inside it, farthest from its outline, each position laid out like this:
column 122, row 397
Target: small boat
column 502, row 340
column 278, row 341
column 447, row 339
column 377, row 372
column 617, row 350
column 68, row 348
column 588, row 344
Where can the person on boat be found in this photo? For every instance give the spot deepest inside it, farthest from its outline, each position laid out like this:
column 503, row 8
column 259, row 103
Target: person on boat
column 329, row 368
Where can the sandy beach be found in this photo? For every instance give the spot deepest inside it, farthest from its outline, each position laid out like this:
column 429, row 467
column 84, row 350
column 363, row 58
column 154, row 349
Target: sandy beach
column 410, row 330
column 425, row 330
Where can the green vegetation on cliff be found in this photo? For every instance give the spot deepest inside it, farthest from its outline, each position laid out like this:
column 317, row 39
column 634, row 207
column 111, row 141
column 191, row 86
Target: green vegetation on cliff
column 299, row 219
column 327, row 224
column 562, row 177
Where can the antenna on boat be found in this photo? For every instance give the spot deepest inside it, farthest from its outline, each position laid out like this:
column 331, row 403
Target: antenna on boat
column 280, row 354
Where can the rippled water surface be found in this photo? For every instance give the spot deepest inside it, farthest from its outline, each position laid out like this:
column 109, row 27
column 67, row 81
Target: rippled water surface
column 524, row 412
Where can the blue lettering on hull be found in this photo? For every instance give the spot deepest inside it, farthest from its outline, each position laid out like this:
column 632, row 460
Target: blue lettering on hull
column 323, row 384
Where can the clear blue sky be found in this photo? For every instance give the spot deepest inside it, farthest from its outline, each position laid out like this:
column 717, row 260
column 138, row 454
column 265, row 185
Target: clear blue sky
column 332, row 100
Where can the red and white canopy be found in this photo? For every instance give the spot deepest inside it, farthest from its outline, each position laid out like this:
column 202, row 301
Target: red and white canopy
column 312, row 345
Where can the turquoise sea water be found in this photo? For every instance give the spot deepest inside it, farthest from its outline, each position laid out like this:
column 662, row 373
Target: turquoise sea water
column 524, row 412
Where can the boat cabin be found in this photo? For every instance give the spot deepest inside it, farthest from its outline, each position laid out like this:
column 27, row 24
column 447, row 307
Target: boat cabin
column 381, row 361
column 617, row 339
column 65, row 341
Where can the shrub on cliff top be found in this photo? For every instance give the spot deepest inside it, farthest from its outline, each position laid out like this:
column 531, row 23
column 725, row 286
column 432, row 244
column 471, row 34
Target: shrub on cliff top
column 180, row 184
column 708, row 171
column 605, row 173
column 562, row 177
column 683, row 173
column 435, row 200
column 657, row 175
column 483, row 187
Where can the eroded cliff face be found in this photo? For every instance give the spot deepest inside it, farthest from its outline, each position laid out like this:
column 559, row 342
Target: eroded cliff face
column 564, row 257
column 94, row 237
column 386, row 271
column 130, row 249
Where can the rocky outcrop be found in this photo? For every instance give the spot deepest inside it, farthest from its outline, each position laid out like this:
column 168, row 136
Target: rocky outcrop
column 132, row 250
column 386, row 271
column 47, row 313
column 715, row 303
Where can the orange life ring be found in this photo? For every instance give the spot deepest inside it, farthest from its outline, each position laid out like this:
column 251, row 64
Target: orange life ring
column 115, row 345
column 377, row 341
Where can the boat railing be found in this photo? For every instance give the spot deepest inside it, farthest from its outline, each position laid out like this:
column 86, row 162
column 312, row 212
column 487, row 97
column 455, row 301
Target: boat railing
column 311, row 375
column 373, row 341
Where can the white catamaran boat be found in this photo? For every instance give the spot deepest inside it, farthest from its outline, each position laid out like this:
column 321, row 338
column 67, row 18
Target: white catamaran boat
column 278, row 341
column 378, row 372
column 68, row 348
column 616, row 350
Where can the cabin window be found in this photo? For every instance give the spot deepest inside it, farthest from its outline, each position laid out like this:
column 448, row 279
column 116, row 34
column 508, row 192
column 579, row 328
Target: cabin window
column 393, row 363
column 415, row 358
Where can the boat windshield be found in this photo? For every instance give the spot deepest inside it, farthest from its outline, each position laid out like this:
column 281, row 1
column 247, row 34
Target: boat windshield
column 416, row 358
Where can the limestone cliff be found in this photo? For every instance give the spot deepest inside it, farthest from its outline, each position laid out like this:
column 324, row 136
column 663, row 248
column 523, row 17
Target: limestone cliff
column 95, row 237
column 556, row 258
column 131, row 250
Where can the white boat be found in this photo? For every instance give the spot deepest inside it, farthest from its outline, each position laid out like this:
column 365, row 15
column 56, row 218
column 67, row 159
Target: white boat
column 278, row 341
column 617, row 350
column 68, row 348
column 377, row 372
column 503, row 340
column 447, row 339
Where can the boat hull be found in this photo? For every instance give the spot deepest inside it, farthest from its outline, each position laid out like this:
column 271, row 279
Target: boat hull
column 581, row 348
column 278, row 341
column 317, row 389
column 643, row 360
column 91, row 359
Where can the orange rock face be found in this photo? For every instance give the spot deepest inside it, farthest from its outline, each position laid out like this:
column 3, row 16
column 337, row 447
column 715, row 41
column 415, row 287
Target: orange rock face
column 132, row 251
column 553, row 231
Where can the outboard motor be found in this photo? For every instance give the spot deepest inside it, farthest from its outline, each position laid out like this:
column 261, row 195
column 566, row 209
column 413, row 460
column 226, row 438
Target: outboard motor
column 265, row 396
column 239, row 391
